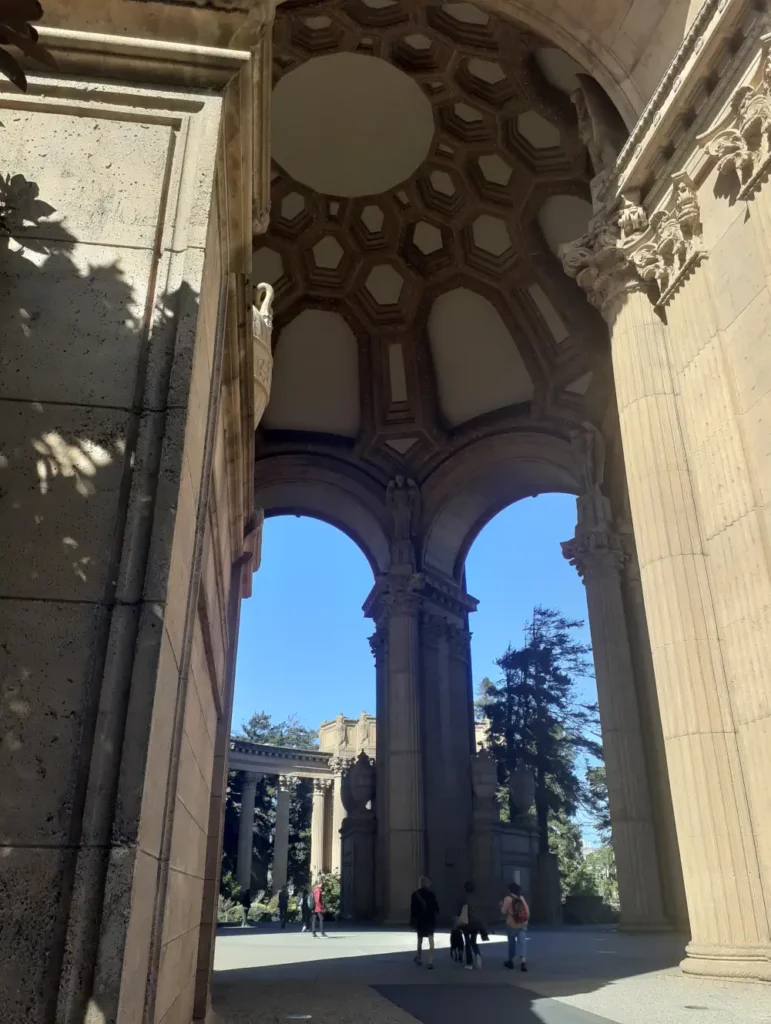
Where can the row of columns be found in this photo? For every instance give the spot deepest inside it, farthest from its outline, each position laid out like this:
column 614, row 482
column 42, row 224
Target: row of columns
column 319, row 862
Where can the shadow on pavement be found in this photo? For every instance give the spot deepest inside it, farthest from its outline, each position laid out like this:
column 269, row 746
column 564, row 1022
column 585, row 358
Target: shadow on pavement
column 330, row 983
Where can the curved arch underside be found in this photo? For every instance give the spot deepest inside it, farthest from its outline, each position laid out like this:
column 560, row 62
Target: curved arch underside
column 320, row 487
column 625, row 44
column 479, row 481
column 458, row 498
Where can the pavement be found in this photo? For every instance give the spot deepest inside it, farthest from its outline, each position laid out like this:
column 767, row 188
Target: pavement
column 366, row 976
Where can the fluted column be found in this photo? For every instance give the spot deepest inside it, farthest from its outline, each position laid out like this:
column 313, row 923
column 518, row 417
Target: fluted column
column 338, row 766
column 320, row 787
column 396, row 606
column 286, row 785
column 596, row 552
column 720, row 862
column 246, row 831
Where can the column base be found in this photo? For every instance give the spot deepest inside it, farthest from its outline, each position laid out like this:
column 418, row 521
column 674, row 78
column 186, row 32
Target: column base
column 740, row 963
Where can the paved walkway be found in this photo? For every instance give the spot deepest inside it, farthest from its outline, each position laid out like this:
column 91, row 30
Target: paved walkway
column 366, row 976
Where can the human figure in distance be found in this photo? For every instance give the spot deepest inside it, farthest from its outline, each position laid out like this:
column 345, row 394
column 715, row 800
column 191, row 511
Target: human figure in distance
column 245, row 899
column 472, row 926
column 318, row 909
column 424, row 910
column 306, row 910
column 283, row 905
column 517, row 914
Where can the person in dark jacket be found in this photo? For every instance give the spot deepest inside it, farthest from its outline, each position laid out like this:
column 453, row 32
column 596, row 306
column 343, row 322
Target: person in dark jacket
column 424, row 911
column 283, row 905
column 306, row 910
column 472, row 926
column 245, row 899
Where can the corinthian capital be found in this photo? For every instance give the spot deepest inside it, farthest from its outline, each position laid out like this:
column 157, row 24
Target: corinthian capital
column 595, row 552
column 624, row 250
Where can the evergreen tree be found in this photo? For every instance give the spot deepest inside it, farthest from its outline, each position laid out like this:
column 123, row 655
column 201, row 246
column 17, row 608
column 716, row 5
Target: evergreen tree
column 536, row 719
column 597, row 801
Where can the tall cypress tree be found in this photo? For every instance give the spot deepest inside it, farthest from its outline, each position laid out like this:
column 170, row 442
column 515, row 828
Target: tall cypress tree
column 537, row 720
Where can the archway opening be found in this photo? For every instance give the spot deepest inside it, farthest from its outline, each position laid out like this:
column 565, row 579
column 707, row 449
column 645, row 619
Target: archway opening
column 303, row 707
column 516, row 569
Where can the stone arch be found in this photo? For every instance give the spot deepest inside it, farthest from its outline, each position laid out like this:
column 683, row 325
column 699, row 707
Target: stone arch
column 480, row 480
column 325, row 489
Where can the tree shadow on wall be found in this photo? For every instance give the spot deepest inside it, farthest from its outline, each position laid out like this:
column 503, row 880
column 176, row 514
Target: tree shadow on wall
column 84, row 359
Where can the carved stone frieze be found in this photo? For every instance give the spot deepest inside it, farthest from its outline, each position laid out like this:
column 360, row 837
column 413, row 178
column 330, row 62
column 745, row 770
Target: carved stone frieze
column 741, row 142
column 625, row 250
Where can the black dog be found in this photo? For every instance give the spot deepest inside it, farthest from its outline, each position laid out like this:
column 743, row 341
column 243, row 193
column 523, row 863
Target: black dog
column 456, row 945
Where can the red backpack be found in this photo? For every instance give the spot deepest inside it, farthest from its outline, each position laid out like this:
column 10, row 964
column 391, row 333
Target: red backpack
column 519, row 910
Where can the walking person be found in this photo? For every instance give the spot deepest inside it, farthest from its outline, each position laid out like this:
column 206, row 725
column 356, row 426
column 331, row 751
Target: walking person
column 245, row 899
column 283, row 906
column 517, row 914
column 472, row 926
column 318, row 909
column 424, row 911
column 306, row 910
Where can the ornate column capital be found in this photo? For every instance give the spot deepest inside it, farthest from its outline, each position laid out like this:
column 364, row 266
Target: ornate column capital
column 321, row 785
column 598, row 551
column 740, row 142
column 625, row 251
column 288, row 783
column 340, row 765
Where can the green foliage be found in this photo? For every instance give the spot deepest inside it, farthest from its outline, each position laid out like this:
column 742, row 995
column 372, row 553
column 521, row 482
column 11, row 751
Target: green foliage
column 536, row 719
column 228, row 911
column 229, row 887
column 290, row 733
column 597, row 801
column 331, row 890
column 565, row 841
column 601, row 866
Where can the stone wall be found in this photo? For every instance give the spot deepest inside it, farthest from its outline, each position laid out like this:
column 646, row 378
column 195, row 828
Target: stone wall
column 127, row 399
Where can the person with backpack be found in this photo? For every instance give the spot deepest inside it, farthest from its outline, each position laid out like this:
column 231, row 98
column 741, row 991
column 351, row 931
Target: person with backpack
column 517, row 914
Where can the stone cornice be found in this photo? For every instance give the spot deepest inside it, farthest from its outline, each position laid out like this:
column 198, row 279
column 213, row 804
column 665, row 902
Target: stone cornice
column 710, row 32
column 267, row 759
column 141, row 60
column 408, row 592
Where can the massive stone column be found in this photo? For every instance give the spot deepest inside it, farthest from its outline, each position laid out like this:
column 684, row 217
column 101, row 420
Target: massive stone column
column 596, row 551
column 620, row 264
column 246, row 831
column 320, row 788
column 285, row 789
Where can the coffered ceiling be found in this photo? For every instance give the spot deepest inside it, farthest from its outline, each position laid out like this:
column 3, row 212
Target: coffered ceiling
column 426, row 167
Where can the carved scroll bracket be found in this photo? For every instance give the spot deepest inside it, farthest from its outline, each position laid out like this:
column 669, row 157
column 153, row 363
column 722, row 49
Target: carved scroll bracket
column 624, row 250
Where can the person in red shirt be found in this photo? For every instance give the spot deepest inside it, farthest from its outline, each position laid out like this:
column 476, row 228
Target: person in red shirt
column 318, row 910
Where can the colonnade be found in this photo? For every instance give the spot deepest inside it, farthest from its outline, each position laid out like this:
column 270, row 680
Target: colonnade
column 327, row 817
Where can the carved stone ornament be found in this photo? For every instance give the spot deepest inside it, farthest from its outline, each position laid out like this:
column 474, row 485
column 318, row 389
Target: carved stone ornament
column 741, row 142
column 262, row 326
column 288, row 783
column 359, row 786
column 403, row 501
column 624, row 250
column 340, row 765
column 321, row 786
column 595, row 551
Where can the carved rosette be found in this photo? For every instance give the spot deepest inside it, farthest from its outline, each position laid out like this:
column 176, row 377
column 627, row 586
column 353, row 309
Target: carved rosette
column 741, row 142
column 262, row 327
column 625, row 251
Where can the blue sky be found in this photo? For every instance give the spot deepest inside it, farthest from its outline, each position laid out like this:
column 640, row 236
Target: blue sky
column 303, row 643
